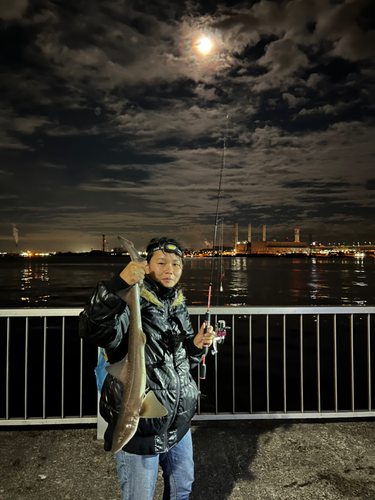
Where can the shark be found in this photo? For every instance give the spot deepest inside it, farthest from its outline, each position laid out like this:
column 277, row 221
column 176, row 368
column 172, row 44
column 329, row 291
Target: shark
column 136, row 401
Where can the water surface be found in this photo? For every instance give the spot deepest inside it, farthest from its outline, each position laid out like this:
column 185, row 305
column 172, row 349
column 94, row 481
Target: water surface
column 69, row 281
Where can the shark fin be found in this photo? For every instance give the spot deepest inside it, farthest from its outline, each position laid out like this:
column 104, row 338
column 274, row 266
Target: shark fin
column 151, row 407
column 118, row 370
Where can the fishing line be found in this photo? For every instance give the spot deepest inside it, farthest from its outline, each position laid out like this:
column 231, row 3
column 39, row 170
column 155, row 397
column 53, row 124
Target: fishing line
column 207, row 318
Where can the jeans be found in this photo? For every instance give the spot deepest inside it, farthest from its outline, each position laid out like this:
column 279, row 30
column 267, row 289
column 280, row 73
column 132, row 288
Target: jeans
column 138, row 473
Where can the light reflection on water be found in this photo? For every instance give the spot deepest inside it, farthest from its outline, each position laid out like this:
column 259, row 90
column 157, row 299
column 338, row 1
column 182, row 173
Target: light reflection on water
column 239, row 282
column 287, row 281
column 247, row 281
column 40, row 273
column 345, row 275
column 319, row 288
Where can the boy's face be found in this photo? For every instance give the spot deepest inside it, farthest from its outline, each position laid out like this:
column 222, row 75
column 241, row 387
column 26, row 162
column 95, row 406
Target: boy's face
column 165, row 268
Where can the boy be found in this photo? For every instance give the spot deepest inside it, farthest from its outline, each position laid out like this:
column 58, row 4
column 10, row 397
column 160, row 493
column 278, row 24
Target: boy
column 171, row 350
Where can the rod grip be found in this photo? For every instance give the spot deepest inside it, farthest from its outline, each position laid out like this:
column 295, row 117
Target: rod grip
column 203, row 371
column 207, row 320
column 205, row 348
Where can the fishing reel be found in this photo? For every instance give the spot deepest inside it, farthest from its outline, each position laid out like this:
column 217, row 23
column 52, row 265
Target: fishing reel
column 219, row 334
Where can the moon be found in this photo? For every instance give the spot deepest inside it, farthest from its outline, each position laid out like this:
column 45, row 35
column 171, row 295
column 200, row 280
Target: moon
column 204, row 45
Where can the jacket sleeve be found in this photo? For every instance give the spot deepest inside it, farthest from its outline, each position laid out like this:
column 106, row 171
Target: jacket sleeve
column 193, row 352
column 105, row 318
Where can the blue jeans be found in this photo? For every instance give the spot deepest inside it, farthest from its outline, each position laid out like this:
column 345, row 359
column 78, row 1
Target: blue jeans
column 138, row 473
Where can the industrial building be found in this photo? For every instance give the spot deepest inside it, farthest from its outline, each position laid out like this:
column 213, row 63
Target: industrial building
column 265, row 247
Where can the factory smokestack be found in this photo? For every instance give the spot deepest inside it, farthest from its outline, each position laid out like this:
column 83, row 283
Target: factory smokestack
column 104, row 242
column 235, row 236
column 264, row 232
column 249, row 233
column 15, row 236
column 296, row 236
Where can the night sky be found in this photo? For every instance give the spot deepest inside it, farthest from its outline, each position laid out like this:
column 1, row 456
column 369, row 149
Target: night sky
column 113, row 121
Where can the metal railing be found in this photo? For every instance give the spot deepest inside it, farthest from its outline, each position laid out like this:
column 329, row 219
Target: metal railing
column 297, row 362
column 276, row 362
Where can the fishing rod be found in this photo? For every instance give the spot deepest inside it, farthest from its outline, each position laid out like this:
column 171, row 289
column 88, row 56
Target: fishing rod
column 220, row 268
column 219, row 334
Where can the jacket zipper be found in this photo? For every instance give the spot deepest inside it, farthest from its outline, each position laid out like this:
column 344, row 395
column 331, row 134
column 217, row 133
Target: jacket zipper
column 175, row 372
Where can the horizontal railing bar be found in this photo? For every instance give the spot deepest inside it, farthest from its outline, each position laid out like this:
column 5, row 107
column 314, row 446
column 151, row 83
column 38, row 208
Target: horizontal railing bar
column 225, row 310
column 280, row 310
column 202, row 417
column 282, row 415
column 48, row 421
column 39, row 313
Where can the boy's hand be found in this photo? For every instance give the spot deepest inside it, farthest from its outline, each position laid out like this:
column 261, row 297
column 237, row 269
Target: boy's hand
column 133, row 272
column 203, row 339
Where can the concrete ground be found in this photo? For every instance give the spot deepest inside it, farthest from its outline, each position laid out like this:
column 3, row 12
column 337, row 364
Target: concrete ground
column 257, row 460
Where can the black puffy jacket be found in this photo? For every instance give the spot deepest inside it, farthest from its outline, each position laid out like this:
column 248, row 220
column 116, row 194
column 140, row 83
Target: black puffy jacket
column 169, row 351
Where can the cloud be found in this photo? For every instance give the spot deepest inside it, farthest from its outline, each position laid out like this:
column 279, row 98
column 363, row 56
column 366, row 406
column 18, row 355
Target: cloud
column 47, row 164
column 120, row 54
column 12, row 125
column 283, row 58
column 356, row 45
column 12, row 9
column 8, row 142
column 326, row 109
column 292, row 100
column 29, row 124
column 7, row 196
column 62, row 131
column 108, row 103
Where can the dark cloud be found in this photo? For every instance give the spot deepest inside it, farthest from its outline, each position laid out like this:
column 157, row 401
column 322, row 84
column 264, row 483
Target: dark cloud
column 111, row 122
column 13, row 9
column 370, row 184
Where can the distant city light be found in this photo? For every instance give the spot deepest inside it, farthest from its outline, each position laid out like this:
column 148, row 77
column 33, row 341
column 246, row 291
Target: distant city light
column 28, row 253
